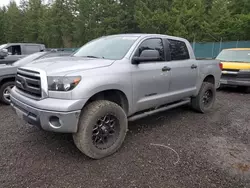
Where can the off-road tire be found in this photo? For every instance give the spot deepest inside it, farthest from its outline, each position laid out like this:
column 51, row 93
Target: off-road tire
column 197, row 102
column 2, row 89
column 90, row 115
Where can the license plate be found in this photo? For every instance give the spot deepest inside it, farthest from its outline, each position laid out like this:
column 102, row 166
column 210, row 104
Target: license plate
column 223, row 82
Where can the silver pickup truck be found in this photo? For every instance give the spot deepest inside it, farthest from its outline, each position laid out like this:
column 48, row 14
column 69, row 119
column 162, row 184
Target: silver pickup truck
column 110, row 81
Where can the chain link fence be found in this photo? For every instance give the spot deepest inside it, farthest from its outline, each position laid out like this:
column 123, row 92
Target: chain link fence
column 212, row 49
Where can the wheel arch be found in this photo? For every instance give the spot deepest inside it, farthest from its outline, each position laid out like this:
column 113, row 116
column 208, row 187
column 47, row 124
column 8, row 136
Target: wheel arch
column 114, row 95
column 5, row 79
column 210, row 79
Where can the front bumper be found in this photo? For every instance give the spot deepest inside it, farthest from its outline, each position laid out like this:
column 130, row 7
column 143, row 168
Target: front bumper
column 235, row 82
column 49, row 119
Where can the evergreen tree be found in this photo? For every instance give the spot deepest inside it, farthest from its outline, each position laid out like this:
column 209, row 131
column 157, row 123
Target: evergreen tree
column 72, row 23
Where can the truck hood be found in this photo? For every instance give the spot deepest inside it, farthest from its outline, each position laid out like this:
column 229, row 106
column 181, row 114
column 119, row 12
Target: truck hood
column 236, row 65
column 66, row 65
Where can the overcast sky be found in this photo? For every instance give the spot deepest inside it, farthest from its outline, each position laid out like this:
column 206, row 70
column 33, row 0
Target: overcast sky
column 6, row 2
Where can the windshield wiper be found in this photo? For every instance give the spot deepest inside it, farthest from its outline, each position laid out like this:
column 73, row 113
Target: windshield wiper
column 233, row 61
column 238, row 61
column 91, row 56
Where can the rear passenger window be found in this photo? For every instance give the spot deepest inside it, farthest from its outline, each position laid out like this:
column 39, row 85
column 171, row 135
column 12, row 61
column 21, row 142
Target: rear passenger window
column 30, row 49
column 151, row 44
column 178, row 50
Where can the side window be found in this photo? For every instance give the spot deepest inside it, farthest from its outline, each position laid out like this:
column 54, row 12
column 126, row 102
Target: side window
column 14, row 50
column 30, row 49
column 178, row 50
column 151, row 44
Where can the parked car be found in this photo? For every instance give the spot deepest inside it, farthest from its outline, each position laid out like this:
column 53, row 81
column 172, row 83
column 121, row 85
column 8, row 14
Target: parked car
column 8, row 72
column 236, row 67
column 110, row 81
column 12, row 52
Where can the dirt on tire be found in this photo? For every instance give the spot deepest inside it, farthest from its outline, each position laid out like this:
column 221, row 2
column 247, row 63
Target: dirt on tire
column 89, row 117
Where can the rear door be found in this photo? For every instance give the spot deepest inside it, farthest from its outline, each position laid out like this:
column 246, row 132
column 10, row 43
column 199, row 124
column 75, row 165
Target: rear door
column 30, row 49
column 184, row 71
column 150, row 82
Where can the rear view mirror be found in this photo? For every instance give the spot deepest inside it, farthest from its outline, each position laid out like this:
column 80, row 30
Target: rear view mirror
column 146, row 56
column 3, row 53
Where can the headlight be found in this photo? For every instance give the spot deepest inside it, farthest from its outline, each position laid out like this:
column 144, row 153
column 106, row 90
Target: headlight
column 63, row 83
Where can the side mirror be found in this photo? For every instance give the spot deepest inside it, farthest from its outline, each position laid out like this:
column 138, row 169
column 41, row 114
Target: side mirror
column 147, row 56
column 3, row 53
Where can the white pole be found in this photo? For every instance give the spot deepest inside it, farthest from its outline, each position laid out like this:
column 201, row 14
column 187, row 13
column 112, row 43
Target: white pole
column 220, row 44
column 194, row 44
column 237, row 43
column 213, row 50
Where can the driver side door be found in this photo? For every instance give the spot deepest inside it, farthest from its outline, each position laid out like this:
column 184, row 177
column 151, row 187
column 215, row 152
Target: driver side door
column 150, row 79
column 15, row 53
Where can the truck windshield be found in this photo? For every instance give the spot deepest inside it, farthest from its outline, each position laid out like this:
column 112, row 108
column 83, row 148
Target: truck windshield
column 235, row 56
column 114, row 47
column 2, row 46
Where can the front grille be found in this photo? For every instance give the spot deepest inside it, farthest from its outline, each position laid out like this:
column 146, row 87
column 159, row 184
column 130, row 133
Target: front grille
column 29, row 82
column 228, row 76
column 232, row 70
column 229, row 73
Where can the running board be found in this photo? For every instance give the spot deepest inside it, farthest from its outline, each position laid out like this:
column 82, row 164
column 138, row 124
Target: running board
column 162, row 109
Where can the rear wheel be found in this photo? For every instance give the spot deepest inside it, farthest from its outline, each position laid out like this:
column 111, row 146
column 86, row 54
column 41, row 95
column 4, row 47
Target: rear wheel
column 5, row 92
column 102, row 129
column 204, row 101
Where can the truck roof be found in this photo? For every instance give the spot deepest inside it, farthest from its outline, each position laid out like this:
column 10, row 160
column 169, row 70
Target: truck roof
column 25, row 43
column 148, row 35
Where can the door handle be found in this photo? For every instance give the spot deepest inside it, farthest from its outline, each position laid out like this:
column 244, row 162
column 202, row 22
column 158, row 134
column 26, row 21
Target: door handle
column 164, row 69
column 194, row 66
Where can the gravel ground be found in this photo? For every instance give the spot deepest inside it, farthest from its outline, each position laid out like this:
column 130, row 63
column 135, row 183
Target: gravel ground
column 178, row 148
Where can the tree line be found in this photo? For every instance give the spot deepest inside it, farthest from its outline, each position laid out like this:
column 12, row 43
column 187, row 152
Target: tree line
column 71, row 23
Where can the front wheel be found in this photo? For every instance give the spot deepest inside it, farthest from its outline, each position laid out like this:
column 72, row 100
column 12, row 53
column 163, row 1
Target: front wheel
column 5, row 92
column 102, row 129
column 204, row 101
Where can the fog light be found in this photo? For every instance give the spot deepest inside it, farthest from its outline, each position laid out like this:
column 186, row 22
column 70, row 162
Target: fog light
column 54, row 122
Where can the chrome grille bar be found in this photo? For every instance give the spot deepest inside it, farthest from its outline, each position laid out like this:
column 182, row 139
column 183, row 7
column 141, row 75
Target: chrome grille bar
column 29, row 82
